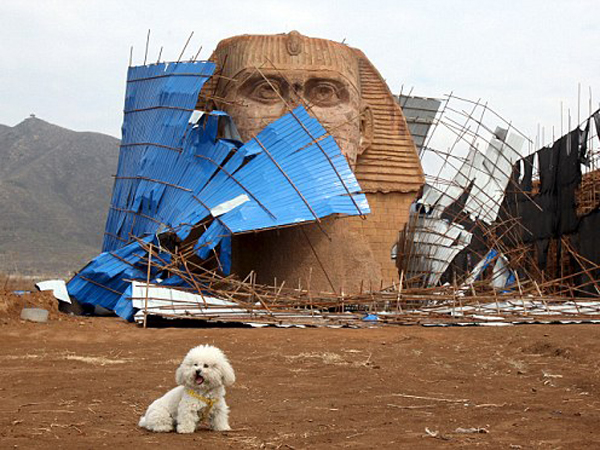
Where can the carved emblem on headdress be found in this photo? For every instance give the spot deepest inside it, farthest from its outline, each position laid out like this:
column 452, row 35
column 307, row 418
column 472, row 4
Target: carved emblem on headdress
column 294, row 43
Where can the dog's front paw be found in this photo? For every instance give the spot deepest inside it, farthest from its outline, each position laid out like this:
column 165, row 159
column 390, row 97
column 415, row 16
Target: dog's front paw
column 185, row 429
column 160, row 428
column 221, row 427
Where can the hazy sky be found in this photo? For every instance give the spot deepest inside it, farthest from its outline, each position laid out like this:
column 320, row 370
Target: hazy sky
column 66, row 60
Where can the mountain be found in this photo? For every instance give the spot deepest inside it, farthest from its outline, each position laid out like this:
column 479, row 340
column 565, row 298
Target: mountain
column 55, row 187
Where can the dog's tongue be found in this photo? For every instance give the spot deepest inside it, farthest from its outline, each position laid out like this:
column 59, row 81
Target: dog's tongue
column 199, row 379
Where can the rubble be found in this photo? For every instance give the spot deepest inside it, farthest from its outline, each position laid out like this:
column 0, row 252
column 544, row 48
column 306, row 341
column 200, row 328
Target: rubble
column 188, row 190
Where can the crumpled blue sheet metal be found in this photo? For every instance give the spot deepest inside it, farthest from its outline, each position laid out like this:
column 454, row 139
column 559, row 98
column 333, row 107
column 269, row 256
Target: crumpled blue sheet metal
column 159, row 101
column 286, row 171
column 104, row 280
column 175, row 173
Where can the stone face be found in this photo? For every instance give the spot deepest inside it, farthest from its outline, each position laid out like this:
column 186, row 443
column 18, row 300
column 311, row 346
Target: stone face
column 261, row 78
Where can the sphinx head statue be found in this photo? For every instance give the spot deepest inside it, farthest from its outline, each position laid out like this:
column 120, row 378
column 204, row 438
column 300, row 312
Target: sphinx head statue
column 263, row 76
column 260, row 77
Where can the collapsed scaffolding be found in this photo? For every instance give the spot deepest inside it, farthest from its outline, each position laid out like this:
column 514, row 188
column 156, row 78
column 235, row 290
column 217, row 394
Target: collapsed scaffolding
column 186, row 185
column 475, row 222
column 464, row 190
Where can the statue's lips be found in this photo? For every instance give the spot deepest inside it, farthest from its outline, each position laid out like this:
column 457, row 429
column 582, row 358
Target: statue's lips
column 199, row 379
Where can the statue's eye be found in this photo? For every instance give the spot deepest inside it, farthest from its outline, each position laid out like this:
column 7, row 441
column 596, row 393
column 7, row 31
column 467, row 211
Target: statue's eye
column 267, row 91
column 325, row 93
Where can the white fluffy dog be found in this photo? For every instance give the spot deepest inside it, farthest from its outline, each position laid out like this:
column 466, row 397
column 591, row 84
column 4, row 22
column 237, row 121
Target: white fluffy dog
column 202, row 377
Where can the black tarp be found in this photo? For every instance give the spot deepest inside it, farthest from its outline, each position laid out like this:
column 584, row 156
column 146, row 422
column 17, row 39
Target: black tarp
column 552, row 212
column 549, row 214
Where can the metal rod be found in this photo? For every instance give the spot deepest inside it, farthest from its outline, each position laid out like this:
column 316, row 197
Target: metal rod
column 185, row 46
column 318, row 260
column 238, row 183
column 169, row 75
column 147, row 285
column 147, row 44
column 197, row 54
column 289, row 180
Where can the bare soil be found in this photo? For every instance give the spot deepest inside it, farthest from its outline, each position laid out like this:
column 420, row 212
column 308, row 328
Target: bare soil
column 83, row 383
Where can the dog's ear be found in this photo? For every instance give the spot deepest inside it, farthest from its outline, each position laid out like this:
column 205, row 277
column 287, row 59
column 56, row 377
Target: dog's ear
column 179, row 376
column 227, row 373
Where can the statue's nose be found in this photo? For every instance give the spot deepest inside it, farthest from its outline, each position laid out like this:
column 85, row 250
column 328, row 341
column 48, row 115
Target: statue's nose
column 295, row 99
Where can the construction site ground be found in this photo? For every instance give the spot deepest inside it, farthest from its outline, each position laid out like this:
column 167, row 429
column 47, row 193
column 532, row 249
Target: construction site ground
column 79, row 382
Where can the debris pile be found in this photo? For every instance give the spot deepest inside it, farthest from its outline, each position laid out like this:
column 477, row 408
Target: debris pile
column 517, row 224
column 474, row 249
column 185, row 186
column 211, row 297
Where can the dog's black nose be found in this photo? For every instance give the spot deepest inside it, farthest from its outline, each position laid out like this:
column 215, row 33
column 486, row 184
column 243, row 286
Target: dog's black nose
column 198, row 371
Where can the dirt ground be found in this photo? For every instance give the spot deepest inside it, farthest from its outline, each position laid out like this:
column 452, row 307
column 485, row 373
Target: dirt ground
column 83, row 383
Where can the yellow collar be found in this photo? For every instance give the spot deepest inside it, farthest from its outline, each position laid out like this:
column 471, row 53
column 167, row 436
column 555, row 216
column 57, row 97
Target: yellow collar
column 209, row 401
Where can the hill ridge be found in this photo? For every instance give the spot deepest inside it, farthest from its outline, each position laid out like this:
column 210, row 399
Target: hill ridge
column 55, row 186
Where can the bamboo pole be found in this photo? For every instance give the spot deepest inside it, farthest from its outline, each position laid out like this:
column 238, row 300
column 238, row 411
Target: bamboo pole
column 147, row 285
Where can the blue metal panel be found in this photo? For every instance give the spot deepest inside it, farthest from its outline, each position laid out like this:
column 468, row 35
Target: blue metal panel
column 103, row 280
column 173, row 173
column 159, row 102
